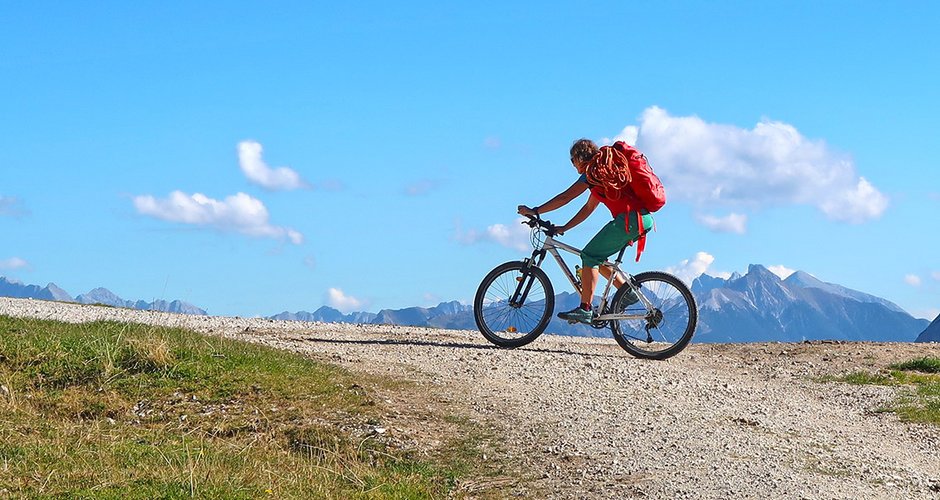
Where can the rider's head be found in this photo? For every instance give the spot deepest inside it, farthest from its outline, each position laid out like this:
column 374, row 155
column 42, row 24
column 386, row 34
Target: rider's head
column 581, row 153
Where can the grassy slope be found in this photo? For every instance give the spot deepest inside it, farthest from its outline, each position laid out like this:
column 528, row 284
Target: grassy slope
column 114, row 410
column 920, row 402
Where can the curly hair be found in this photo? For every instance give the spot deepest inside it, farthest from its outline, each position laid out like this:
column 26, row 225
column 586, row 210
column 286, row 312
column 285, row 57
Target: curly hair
column 583, row 150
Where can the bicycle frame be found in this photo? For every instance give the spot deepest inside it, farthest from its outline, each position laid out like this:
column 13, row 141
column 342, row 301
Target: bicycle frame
column 552, row 246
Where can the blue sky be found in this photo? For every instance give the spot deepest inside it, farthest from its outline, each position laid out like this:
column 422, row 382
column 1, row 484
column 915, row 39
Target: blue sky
column 253, row 158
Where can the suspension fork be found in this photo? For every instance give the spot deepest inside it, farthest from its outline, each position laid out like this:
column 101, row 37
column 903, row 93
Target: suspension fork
column 524, row 282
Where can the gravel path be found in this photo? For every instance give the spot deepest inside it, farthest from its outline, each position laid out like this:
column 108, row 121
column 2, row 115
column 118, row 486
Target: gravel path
column 589, row 421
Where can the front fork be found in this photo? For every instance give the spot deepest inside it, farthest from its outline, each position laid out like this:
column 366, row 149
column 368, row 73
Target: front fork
column 524, row 282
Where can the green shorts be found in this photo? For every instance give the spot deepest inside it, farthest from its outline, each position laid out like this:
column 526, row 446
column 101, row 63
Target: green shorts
column 611, row 238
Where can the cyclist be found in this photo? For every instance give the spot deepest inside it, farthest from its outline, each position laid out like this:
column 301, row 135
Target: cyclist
column 622, row 230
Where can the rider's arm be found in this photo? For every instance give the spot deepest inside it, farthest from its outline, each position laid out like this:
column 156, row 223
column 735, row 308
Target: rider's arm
column 582, row 214
column 558, row 201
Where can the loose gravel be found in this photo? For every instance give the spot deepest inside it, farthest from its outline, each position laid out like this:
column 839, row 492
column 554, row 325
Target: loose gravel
column 583, row 419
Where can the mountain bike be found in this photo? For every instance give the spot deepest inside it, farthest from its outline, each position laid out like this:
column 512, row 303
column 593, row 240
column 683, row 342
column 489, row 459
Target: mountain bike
column 652, row 315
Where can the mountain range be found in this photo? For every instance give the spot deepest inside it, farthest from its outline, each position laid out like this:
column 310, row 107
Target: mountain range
column 451, row 315
column 13, row 288
column 758, row 306
column 931, row 333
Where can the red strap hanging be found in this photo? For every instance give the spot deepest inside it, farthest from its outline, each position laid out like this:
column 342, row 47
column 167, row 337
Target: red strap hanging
column 641, row 240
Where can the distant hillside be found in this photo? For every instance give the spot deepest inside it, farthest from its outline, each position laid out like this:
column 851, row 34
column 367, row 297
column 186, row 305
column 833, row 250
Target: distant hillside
column 452, row 315
column 755, row 307
column 105, row 296
column 932, row 333
column 760, row 307
column 13, row 288
column 16, row 289
column 325, row 315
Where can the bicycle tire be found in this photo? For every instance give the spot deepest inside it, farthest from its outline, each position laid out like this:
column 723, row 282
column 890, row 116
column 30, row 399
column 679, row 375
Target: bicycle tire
column 657, row 336
column 503, row 324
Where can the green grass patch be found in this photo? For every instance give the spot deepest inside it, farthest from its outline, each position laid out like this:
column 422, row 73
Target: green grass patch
column 919, row 400
column 117, row 410
column 865, row 378
column 925, row 365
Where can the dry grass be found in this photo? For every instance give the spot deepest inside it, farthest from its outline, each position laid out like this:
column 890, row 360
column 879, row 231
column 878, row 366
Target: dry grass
column 109, row 410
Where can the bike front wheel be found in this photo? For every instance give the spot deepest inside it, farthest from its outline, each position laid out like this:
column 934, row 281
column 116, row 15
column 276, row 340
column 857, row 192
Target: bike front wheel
column 666, row 327
column 509, row 324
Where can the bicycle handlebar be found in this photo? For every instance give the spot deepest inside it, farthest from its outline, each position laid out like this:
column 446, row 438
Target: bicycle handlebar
column 536, row 221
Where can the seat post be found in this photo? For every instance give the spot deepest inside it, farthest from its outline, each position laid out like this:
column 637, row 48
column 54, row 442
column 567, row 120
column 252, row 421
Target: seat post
column 620, row 255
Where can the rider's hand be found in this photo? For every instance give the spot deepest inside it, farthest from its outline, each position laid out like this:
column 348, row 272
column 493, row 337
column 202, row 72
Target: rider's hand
column 524, row 210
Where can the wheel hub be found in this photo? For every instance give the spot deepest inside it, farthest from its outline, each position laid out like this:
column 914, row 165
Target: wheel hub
column 654, row 319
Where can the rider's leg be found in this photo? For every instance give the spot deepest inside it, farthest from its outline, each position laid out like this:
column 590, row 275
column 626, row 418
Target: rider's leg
column 608, row 241
column 584, row 313
column 601, row 246
column 588, row 283
column 606, row 271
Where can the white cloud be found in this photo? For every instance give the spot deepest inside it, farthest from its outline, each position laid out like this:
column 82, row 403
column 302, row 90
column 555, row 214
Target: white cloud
column 628, row 135
column 336, row 299
column 11, row 206
column 240, row 213
column 421, row 187
column 935, row 275
column 258, row 172
column 689, row 269
column 333, row 185
column 311, row 262
column 783, row 271
column 516, row 236
column 912, row 279
column 716, row 165
column 731, row 223
column 6, row 205
column 13, row 263
column 858, row 204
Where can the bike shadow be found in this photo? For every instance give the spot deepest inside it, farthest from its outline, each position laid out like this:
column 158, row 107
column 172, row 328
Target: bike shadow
column 458, row 345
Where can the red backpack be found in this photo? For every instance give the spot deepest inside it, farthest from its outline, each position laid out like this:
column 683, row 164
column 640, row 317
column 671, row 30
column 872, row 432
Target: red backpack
column 643, row 192
column 646, row 186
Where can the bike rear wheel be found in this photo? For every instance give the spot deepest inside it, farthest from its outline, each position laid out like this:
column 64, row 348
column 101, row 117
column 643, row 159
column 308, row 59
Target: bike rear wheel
column 513, row 325
column 667, row 328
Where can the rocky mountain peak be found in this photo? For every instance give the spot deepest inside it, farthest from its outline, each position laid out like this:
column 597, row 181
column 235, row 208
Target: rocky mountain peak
column 762, row 272
column 100, row 295
column 804, row 279
column 705, row 282
column 13, row 288
column 931, row 333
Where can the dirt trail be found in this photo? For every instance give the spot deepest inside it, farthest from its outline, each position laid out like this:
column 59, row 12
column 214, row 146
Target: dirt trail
column 718, row 421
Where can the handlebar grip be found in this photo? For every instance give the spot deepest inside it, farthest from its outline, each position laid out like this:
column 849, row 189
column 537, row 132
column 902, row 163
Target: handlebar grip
column 534, row 221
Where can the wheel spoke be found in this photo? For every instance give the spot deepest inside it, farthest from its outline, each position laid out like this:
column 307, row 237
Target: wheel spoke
column 672, row 322
column 507, row 325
